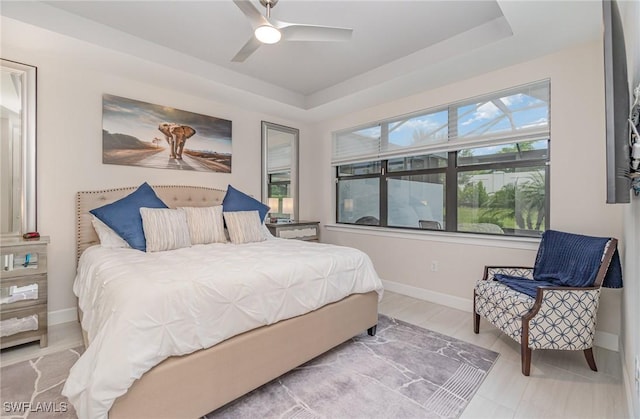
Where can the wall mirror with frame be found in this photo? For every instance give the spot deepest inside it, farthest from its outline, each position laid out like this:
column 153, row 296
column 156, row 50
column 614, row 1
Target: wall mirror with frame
column 17, row 148
column 280, row 171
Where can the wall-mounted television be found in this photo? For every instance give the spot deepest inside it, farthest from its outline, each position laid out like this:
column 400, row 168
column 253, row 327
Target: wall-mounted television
column 616, row 87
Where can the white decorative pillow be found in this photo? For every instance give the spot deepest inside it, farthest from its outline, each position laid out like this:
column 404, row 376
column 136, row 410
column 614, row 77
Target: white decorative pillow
column 205, row 224
column 244, row 226
column 164, row 229
column 108, row 237
column 266, row 232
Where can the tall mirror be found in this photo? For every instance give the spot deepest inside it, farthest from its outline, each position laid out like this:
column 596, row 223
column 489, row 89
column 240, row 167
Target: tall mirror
column 280, row 171
column 17, row 148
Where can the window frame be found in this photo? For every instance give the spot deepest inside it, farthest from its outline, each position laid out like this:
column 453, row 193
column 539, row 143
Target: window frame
column 452, row 170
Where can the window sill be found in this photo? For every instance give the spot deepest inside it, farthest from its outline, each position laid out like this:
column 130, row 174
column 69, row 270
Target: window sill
column 469, row 239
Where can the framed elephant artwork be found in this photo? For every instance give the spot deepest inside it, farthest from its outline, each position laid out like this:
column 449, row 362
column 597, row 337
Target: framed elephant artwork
column 137, row 133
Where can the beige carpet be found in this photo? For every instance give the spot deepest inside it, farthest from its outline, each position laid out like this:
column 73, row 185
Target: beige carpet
column 403, row 372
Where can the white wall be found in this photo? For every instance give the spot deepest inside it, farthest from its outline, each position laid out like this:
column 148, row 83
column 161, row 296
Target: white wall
column 577, row 180
column 72, row 76
column 630, row 337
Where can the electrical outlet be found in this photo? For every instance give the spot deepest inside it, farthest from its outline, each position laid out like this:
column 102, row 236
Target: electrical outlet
column 434, row 266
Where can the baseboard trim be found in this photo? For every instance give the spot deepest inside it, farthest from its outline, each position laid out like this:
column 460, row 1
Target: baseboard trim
column 604, row 340
column 629, row 387
column 62, row 316
column 459, row 303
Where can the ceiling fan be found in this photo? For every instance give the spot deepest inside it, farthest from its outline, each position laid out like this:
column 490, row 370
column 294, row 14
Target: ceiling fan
column 271, row 31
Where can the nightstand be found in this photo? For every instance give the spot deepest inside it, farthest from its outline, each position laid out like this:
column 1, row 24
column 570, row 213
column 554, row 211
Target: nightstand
column 299, row 230
column 23, row 291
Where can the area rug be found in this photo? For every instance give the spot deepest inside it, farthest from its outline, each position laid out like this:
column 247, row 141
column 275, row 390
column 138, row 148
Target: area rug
column 404, row 371
column 31, row 389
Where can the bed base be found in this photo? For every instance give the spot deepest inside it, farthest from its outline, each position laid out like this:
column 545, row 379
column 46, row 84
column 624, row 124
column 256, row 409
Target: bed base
column 193, row 385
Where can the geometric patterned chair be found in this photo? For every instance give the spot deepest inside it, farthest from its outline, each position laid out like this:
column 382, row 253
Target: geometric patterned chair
column 540, row 313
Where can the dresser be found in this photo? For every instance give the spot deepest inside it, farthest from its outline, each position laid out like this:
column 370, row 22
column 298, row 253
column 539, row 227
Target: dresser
column 299, row 230
column 23, row 291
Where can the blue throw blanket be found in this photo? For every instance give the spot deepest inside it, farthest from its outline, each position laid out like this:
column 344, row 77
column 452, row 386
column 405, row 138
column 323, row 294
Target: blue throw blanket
column 567, row 260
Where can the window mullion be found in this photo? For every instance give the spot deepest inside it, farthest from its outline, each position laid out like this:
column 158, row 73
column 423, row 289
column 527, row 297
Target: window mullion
column 451, row 178
column 451, row 197
column 547, row 191
column 503, row 165
column 384, row 198
column 337, row 195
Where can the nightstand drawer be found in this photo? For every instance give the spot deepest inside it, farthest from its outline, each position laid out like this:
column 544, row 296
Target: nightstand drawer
column 300, row 230
column 23, row 326
column 22, row 260
column 22, row 292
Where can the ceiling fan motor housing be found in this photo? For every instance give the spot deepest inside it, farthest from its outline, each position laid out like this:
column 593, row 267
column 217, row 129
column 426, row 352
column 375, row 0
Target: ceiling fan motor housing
column 269, row 3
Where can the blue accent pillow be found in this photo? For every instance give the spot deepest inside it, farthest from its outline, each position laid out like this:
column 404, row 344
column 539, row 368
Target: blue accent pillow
column 235, row 200
column 123, row 216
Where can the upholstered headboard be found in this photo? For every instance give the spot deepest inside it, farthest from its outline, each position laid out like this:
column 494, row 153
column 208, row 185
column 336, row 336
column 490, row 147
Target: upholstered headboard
column 172, row 195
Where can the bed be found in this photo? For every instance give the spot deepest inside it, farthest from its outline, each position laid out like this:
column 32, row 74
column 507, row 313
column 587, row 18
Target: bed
column 201, row 380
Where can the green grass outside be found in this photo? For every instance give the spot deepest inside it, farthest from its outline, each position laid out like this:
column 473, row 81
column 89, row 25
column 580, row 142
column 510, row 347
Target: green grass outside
column 472, row 215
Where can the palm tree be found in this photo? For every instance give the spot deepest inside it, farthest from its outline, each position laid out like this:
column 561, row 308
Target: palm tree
column 534, row 193
column 519, row 202
column 502, row 204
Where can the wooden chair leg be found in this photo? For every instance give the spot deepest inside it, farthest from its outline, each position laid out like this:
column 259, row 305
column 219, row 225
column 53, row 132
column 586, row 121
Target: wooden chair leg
column 476, row 316
column 588, row 353
column 525, row 353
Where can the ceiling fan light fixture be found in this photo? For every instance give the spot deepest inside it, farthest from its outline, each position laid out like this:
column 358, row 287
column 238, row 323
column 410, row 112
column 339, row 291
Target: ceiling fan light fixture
column 267, row 34
column 266, row 31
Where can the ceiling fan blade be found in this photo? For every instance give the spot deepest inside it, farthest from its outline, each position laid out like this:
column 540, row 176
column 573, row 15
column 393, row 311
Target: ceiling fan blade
column 250, row 11
column 302, row 32
column 249, row 48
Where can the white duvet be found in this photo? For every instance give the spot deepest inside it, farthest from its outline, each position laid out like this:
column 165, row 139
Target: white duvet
column 140, row 308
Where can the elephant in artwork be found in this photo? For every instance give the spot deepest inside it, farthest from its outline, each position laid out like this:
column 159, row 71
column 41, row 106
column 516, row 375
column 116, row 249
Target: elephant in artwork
column 176, row 135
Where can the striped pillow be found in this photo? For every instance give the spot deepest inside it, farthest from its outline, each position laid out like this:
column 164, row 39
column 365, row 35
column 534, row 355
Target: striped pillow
column 244, row 226
column 165, row 229
column 205, row 224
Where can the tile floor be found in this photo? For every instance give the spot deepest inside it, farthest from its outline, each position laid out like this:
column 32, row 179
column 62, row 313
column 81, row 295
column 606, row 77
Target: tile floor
column 61, row 336
column 561, row 384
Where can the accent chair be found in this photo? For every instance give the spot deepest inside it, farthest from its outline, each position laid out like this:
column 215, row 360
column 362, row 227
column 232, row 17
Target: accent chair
column 552, row 305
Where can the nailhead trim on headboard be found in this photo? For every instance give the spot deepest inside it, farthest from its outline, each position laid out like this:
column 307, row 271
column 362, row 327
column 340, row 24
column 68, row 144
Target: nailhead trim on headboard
column 172, row 195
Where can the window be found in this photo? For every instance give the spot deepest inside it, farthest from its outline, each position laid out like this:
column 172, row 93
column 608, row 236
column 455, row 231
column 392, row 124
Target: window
column 478, row 166
column 415, row 198
column 279, row 189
